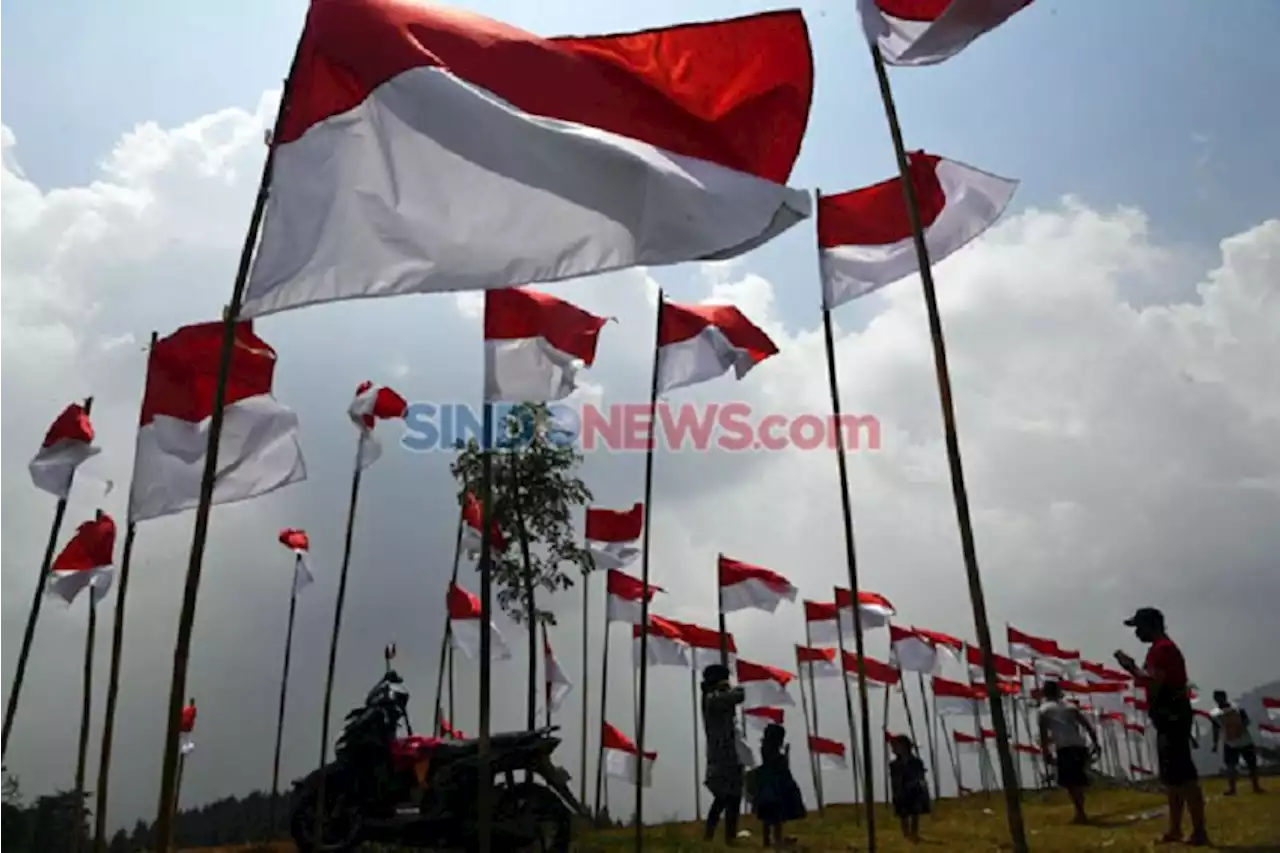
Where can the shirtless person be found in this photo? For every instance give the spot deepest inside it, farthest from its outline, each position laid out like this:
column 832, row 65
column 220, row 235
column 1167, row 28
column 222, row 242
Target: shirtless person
column 1231, row 726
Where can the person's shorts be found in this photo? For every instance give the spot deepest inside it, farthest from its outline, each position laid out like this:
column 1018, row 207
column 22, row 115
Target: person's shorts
column 1231, row 756
column 1073, row 767
column 1173, row 755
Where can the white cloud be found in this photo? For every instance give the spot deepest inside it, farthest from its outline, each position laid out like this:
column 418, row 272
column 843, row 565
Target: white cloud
column 1119, row 451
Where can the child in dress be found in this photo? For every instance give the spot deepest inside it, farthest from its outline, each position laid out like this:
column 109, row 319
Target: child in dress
column 777, row 796
column 910, row 789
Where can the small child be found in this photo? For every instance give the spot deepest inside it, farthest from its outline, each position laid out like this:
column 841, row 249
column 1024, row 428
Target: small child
column 910, row 790
column 777, row 796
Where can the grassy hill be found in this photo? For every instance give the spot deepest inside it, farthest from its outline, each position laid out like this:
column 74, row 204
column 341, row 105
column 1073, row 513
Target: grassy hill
column 1126, row 821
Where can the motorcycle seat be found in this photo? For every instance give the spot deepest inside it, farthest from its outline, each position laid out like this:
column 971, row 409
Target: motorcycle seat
column 448, row 749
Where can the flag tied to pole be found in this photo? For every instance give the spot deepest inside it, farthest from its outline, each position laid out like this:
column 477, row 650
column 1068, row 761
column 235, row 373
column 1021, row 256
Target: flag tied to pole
column 85, row 561
column 534, row 345
column 67, row 444
column 373, row 403
column 613, row 536
column 622, row 757
column 697, row 343
column 299, row 543
column 927, row 32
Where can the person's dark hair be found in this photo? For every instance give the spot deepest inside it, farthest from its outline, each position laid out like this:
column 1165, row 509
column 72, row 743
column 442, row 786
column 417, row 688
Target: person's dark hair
column 714, row 674
column 903, row 741
column 1052, row 690
column 773, row 739
column 1219, row 695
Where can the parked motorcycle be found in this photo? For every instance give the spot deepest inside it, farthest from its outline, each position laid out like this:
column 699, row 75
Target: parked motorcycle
column 420, row 791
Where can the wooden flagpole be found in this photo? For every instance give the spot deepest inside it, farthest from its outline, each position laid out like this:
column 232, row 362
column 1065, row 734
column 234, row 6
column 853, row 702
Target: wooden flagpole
column 853, row 729
column 947, row 741
column 113, row 674
column 337, row 630
column 929, row 733
column 86, row 717
column 911, row 727
column 808, row 730
column 531, row 607
column 884, row 744
column 200, row 533
column 33, row 615
column 484, row 790
column 697, row 759
column 586, row 703
column 604, row 696
column 813, row 693
column 851, row 562
column 547, row 686
column 446, row 652
column 1013, row 802
column 644, row 574
column 284, row 695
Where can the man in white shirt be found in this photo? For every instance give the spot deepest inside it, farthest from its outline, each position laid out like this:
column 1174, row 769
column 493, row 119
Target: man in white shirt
column 1062, row 742
column 1231, row 727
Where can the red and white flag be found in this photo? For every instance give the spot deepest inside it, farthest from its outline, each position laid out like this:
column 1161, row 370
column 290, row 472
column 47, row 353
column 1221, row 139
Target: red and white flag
column 1270, row 731
column 534, row 345
column 697, row 343
column 951, row 646
column 85, row 561
column 299, row 543
column 864, row 235
column 761, row 718
column 1026, row 749
column 876, row 610
column 912, row 651
column 820, row 619
column 68, row 443
column 1135, row 729
column 371, row 404
column 556, row 682
column 704, row 644
column 625, row 596
column 1005, row 667
column 427, row 149
column 828, row 752
column 764, row 685
column 259, row 450
column 971, row 743
column 955, row 697
column 465, row 626
column 186, row 729
column 1139, row 770
column 473, row 522
column 1271, row 706
column 1107, row 695
column 613, row 536
column 622, row 757
column 926, row 32
column 821, row 662
column 879, row 674
column 449, row 732
column 747, row 587
column 666, row 645
column 1099, row 674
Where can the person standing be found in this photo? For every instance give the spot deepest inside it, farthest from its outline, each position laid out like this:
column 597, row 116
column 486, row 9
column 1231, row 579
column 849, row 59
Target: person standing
column 1064, row 727
column 1231, row 727
column 724, row 776
column 909, row 787
column 777, row 798
column 1163, row 675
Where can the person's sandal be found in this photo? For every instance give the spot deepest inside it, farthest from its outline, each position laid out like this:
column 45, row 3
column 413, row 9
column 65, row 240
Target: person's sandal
column 1198, row 839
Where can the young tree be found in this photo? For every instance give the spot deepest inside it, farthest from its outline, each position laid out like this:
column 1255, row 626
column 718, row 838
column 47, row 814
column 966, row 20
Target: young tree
column 533, row 491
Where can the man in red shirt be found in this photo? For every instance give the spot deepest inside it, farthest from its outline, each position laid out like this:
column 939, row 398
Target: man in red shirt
column 1164, row 677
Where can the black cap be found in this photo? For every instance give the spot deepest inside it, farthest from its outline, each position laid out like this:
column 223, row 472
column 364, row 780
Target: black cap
column 1148, row 617
column 715, row 673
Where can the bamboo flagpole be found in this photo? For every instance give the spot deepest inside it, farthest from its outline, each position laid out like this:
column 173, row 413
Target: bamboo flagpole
column 604, row 696
column 930, row 733
column 339, row 604
column 697, row 759
column 113, row 673
column 200, row 533
column 1013, row 801
column 484, row 789
column 86, row 717
column 808, row 731
column 530, row 603
column 284, row 695
column 446, row 635
column 33, row 615
column 851, row 561
column 853, row 728
column 813, row 693
column 547, row 686
column 586, row 703
column 644, row 575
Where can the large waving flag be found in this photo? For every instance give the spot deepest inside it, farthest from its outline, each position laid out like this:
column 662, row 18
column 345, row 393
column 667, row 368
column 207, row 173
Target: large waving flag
column 864, row 236
column 762, row 718
column 829, row 753
column 622, row 757
column 911, row 651
column 534, row 345
column 626, row 596
column 373, row 403
column 259, row 450
column 465, row 626
column 704, row 643
column 820, row 662
column 764, row 685
column 68, row 443
column 1271, row 705
column 613, row 536
column 473, row 522
column 955, row 697
column 85, row 561
column 666, row 646
column 879, row 674
column 875, row 609
column 747, row 587
column 926, row 32
column 557, row 685
column 426, row 149
column 700, row 342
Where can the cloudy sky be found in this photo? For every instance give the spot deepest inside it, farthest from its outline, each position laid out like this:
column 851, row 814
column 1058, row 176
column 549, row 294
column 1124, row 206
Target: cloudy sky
column 1113, row 344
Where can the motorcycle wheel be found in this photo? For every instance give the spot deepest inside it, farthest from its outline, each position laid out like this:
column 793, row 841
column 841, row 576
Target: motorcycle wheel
column 553, row 823
column 342, row 822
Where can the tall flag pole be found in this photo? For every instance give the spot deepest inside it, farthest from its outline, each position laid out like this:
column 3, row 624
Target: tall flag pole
column 484, row 791
column 446, row 648
column 982, row 627
column 865, row 782
column 371, row 404
column 585, row 722
column 299, row 543
column 851, row 565
column 68, row 442
column 644, row 563
column 113, row 677
column 816, row 732
column 200, row 533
